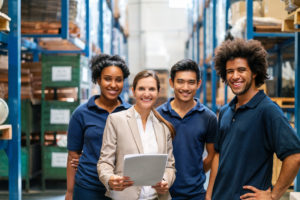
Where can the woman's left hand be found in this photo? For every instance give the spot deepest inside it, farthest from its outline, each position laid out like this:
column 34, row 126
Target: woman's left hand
column 161, row 187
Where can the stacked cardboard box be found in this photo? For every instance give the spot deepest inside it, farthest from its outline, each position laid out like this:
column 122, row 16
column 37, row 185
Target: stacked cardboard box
column 265, row 8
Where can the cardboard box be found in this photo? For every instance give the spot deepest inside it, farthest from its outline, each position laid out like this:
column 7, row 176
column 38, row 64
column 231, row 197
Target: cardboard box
column 238, row 10
column 274, row 9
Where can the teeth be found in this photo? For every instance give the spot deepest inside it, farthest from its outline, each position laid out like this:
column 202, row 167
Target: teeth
column 237, row 84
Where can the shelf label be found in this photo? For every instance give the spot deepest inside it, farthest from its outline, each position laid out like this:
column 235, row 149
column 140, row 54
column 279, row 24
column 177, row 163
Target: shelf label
column 59, row 116
column 61, row 73
column 59, row 159
column 85, row 74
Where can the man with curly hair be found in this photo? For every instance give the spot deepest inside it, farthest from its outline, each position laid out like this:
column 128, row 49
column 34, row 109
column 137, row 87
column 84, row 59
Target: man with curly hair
column 251, row 129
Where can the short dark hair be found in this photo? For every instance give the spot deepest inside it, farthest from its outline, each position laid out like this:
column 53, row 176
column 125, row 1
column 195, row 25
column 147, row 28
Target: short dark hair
column 251, row 50
column 99, row 62
column 185, row 65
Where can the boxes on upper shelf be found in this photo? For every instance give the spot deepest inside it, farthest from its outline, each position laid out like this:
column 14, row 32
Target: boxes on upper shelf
column 274, row 9
column 238, row 10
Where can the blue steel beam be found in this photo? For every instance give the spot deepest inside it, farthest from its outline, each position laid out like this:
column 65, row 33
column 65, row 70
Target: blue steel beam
column 65, row 19
column 297, row 96
column 87, row 26
column 3, row 37
column 213, row 71
column 249, row 29
column 283, row 35
column 3, row 144
column 101, row 26
column 193, row 33
column 112, row 27
column 204, row 78
column 14, row 99
column 226, row 28
column 198, row 25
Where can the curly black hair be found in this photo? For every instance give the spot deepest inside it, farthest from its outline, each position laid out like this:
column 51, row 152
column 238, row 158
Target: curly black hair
column 251, row 50
column 99, row 62
column 185, row 65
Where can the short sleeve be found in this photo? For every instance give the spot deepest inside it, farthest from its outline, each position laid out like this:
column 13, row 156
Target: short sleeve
column 285, row 141
column 75, row 134
column 212, row 129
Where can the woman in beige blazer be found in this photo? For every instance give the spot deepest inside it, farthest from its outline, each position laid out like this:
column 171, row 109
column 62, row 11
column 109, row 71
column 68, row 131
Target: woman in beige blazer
column 137, row 130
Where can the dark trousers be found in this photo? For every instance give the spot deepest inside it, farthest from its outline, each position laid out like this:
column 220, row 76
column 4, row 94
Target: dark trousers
column 81, row 193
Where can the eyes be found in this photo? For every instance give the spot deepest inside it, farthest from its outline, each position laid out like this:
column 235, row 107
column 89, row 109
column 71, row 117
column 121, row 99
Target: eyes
column 190, row 82
column 118, row 79
column 239, row 70
column 151, row 89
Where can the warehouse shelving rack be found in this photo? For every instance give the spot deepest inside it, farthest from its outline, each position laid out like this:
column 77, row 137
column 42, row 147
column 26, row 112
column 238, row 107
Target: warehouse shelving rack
column 287, row 39
column 13, row 42
column 67, row 71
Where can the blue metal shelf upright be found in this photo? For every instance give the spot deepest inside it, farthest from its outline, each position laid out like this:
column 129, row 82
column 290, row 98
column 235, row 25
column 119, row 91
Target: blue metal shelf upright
column 210, row 65
column 13, row 147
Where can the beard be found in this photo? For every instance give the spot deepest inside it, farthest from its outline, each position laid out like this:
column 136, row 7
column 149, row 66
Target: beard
column 245, row 90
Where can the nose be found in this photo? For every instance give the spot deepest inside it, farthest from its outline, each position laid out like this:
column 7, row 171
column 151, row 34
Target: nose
column 185, row 86
column 236, row 74
column 147, row 93
column 113, row 84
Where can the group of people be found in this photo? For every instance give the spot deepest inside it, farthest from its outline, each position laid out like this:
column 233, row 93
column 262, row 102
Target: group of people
column 240, row 144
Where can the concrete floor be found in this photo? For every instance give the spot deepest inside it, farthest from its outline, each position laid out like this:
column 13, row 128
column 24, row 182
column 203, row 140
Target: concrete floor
column 55, row 191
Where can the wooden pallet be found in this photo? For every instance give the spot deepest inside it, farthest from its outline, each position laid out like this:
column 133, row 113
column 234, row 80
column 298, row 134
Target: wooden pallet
column 57, row 44
column 6, row 131
column 284, row 102
column 47, row 28
column 290, row 21
column 267, row 28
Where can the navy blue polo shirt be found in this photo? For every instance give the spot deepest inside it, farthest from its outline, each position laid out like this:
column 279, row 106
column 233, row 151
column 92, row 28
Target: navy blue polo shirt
column 85, row 134
column 246, row 141
column 196, row 128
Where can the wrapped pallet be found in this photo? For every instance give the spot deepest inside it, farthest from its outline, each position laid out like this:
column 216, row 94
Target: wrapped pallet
column 274, row 9
column 238, row 10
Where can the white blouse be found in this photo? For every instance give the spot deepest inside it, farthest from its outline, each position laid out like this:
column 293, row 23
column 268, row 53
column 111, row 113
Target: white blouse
column 150, row 146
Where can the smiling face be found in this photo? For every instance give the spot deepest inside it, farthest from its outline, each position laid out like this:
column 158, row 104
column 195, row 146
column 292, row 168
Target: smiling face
column 185, row 85
column 111, row 82
column 239, row 76
column 145, row 93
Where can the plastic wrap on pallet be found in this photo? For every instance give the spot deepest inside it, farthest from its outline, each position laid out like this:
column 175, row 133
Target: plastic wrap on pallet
column 220, row 26
column 46, row 10
column 94, row 22
column 238, row 10
column 239, row 28
column 50, row 11
column 107, row 28
column 80, row 17
column 123, row 12
column 209, row 34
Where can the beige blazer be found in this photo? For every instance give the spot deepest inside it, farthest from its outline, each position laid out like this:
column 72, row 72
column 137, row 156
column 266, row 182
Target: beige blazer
column 121, row 137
